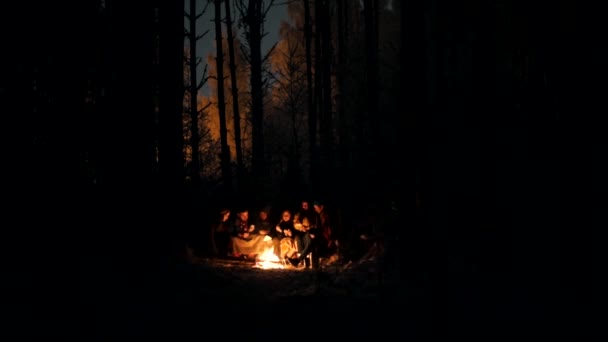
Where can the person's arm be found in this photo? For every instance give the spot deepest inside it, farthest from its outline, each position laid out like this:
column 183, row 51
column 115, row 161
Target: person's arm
column 328, row 230
column 289, row 229
column 243, row 234
column 279, row 229
column 314, row 228
column 243, row 230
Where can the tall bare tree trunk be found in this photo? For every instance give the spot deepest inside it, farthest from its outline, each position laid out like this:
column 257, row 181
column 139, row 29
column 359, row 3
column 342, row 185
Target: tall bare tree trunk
column 318, row 90
column 342, row 11
column 312, row 117
column 254, row 23
column 194, row 137
column 371, row 62
column 235, row 96
column 256, row 88
column 326, row 124
column 221, row 105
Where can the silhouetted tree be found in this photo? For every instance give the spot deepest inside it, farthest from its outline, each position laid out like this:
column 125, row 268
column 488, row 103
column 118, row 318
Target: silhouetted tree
column 195, row 86
column 235, row 96
column 341, row 97
column 326, row 108
column 252, row 17
column 312, row 116
column 318, row 94
column 290, row 86
column 370, row 13
column 221, row 104
column 213, row 124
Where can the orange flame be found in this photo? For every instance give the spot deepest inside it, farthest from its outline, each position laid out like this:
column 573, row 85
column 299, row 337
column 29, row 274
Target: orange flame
column 267, row 259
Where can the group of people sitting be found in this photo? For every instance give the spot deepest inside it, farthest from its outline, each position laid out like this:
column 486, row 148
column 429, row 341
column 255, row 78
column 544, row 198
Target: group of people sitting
column 293, row 237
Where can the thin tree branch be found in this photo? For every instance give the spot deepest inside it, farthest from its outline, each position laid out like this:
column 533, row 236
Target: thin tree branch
column 282, row 85
column 200, row 111
column 202, row 35
column 286, row 2
column 241, row 7
column 245, row 54
column 269, row 53
column 203, row 79
column 268, row 8
column 205, row 8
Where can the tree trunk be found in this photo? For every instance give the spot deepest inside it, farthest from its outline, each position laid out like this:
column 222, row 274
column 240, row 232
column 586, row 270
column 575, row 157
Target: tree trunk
column 235, row 96
column 195, row 136
column 371, row 61
column 221, row 105
column 343, row 140
column 326, row 124
column 254, row 20
column 312, row 116
column 318, row 92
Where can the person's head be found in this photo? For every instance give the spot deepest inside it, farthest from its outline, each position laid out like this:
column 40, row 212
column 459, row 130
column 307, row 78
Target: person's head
column 305, row 205
column 243, row 215
column 224, row 215
column 286, row 215
column 263, row 214
column 318, row 206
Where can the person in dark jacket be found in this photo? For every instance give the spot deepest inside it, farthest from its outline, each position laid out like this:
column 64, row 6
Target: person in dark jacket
column 286, row 233
column 220, row 234
column 263, row 226
column 320, row 238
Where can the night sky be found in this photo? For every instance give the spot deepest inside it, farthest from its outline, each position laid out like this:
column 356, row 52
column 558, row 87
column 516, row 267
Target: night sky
column 206, row 44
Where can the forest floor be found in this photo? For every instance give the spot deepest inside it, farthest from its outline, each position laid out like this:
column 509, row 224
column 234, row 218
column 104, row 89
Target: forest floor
column 366, row 277
column 194, row 296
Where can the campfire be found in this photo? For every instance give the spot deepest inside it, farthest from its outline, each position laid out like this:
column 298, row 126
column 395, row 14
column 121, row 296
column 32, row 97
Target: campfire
column 267, row 259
